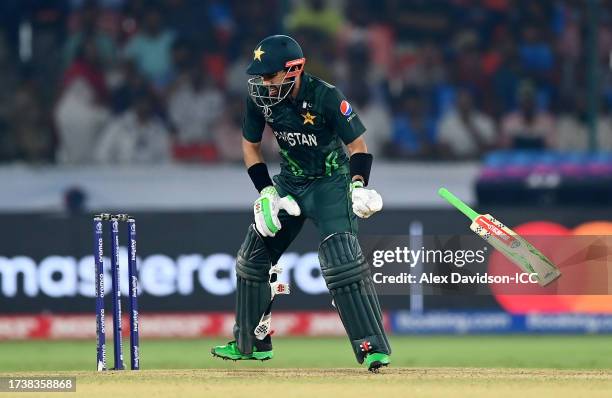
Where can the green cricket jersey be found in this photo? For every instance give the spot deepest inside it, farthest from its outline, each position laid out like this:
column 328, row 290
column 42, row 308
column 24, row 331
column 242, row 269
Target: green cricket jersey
column 310, row 129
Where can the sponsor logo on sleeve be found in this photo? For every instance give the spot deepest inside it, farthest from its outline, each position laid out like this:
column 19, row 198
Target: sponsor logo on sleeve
column 345, row 108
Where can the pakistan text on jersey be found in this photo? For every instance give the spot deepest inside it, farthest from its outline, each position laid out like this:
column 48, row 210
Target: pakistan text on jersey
column 294, row 139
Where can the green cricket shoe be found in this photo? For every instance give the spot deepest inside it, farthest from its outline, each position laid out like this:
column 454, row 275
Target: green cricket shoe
column 262, row 351
column 376, row 360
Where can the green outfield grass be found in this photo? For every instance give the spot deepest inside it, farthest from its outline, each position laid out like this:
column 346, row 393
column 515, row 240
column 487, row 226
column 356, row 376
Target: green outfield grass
column 555, row 352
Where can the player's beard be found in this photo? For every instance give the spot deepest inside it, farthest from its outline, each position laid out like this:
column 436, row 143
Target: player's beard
column 283, row 88
column 266, row 95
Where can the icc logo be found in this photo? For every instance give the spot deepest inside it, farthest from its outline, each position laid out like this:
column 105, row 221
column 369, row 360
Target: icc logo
column 99, row 227
column 133, row 227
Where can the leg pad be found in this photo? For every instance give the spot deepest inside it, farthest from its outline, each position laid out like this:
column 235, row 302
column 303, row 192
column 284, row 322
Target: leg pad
column 348, row 278
column 252, row 289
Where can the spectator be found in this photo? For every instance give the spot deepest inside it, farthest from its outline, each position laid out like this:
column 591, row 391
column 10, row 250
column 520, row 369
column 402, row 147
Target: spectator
column 528, row 127
column 573, row 128
column 487, row 46
column 183, row 59
column 465, row 132
column 187, row 18
column 569, row 49
column 505, row 81
column 316, row 15
column 255, row 20
column 221, row 20
column 30, row 124
column 135, row 137
column 88, row 31
column 422, row 20
column 537, row 57
column 364, row 28
column 129, row 82
column 320, row 62
column 48, row 21
column 79, row 119
column 236, row 74
column 150, row 48
column 431, row 62
column 414, row 129
column 86, row 66
column 194, row 107
column 228, row 134
column 374, row 116
column 468, row 61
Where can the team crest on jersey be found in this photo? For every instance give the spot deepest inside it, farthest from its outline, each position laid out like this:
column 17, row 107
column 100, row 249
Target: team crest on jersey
column 308, row 118
column 346, row 108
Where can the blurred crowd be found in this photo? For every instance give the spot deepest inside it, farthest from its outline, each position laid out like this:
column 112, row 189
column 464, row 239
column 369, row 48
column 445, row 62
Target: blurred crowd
column 144, row 81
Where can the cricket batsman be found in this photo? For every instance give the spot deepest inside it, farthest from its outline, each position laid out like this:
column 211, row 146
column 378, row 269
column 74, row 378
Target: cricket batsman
column 311, row 120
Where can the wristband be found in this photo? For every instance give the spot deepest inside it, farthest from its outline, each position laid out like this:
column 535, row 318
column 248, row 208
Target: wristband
column 360, row 164
column 260, row 176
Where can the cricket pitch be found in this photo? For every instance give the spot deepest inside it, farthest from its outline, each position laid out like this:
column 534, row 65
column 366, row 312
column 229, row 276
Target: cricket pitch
column 390, row 382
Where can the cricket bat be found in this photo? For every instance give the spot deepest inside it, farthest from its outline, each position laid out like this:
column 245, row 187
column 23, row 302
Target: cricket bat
column 509, row 243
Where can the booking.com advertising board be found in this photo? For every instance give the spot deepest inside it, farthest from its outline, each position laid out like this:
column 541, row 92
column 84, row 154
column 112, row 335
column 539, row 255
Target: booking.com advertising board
column 431, row 275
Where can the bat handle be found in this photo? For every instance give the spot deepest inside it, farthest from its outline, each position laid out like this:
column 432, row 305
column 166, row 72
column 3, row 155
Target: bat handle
column 458, row 203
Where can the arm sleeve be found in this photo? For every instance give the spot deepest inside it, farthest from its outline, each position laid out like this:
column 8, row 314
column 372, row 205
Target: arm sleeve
column 342, row 117
column 253, row 123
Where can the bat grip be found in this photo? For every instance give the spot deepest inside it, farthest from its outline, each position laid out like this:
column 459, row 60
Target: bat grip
column 458, row 203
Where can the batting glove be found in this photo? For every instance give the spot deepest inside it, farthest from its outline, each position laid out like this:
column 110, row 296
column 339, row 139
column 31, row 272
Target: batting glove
column 365, row 201
column 266, row 209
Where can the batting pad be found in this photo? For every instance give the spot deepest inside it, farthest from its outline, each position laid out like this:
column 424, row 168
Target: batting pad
column 348, row 278
column 252, row 289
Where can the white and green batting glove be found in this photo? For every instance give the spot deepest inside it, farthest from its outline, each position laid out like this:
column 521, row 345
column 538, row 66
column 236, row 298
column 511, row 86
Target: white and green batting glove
column 266, row 209
column 365, row 201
